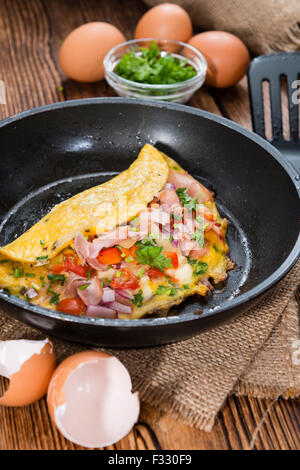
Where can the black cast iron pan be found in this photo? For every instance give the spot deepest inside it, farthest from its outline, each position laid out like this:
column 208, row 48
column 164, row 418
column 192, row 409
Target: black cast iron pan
column 53, row 152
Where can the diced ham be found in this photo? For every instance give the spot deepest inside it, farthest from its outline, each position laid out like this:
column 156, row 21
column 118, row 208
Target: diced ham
column 218, row 230
column 93, row 293
column 159, row 216
column 187, row 245
column 94, row 263
column 71, row 284
column 199, row 252
column 147, row 224
column 197, row 189
column 180, row 180
column 81, row 246
column 206, row 283
column 107, row 240
column 193, row 187
column 168, row 198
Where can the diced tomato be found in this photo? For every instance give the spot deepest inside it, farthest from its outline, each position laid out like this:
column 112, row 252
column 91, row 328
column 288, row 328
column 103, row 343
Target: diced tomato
column 155, row 273
column 130, row 252
column 127, row 280
column 208, row 215
column 72, row 306
column 71, row 265
column 58, row 268
column 173, row 257
column 109, row 256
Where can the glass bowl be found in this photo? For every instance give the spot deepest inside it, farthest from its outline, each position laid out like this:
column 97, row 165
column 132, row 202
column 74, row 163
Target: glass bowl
column 178, row 92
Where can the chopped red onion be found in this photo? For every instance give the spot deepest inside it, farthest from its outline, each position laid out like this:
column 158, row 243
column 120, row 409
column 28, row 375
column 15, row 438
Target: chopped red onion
column 126, row 293
column 108, row 295
column 122, row 300
column 169, row 186
column 120, row 307
column 31, row 293
column 98, row 311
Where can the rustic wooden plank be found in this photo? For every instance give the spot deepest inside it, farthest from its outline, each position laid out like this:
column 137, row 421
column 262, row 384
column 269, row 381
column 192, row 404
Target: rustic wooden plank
column 30, row 33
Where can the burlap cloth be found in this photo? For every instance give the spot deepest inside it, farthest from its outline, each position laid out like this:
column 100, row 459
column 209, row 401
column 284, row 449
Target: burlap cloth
column 257, row 354
column 264, row 25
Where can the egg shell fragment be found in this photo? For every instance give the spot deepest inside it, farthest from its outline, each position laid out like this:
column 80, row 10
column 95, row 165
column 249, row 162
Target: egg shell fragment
column 90, row 399
column 165, row 21
column 82, row 52
column 29, row 366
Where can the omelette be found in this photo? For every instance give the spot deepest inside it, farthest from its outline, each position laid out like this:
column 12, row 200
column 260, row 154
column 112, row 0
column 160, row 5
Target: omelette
column 133, row 246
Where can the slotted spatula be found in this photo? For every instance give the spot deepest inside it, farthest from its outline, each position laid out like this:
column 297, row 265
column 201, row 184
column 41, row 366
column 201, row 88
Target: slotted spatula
column 271, row 68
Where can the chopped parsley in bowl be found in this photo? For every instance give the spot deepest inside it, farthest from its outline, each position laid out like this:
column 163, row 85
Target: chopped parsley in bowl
column 157, row 69
column 153, row 66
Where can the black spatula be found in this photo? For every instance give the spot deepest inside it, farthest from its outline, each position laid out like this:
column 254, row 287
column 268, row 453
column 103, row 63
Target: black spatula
column 272, row 68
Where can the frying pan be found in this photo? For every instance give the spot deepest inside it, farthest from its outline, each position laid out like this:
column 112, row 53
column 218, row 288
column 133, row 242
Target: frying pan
column 53, row 152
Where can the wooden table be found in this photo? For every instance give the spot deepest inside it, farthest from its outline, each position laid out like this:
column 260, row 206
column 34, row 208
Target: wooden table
column 30, row 34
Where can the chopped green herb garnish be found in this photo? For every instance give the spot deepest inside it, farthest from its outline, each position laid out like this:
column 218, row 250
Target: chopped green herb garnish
column 42, row 242
column 29, row 275
column 101, row 283
column 35, row 286
column 129, row 259
column 149, row 65
column 118, row 274
column 186, row 200
column 151, row 254
column 138, row 298
column 171, row 238
column 56, row 278
column 41, row 257
column 170, row 291
column 4, row 261
column 198, row 235
column 199, row 266
column 18, row 273
column 141, row 273
column 55, row 297
column 88, row 273
column 186, row 286
column 84, row 286
column 216, row 249
column 42, row 278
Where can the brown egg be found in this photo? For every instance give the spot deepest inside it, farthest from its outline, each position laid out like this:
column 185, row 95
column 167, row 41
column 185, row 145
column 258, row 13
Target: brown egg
column 90, row 399
column 82, row 52
column 165, row 21
column 29, row 366
column 227, row 57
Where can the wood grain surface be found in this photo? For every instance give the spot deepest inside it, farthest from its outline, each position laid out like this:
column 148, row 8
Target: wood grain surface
column 30, row 36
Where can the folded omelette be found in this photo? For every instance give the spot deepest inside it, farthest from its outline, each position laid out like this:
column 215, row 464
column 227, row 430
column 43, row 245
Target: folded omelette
column 133, row 246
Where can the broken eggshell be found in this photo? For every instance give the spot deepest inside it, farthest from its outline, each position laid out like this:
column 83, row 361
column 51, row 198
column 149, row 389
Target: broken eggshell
column 90, row 399
column 29, row 365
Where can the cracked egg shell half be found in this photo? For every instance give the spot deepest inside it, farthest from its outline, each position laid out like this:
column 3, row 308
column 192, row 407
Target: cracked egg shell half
column 90, row 399
column 29, row 365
